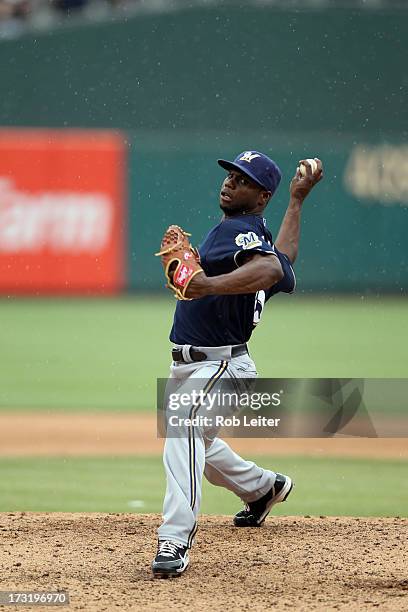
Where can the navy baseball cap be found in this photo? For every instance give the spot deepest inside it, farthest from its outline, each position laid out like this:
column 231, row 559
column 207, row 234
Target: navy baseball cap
column 257, row 166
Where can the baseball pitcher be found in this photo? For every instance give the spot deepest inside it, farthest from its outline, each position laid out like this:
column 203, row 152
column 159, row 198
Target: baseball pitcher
column 221, row 290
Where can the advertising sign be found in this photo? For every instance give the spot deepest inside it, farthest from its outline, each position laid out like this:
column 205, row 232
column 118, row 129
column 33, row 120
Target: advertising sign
column 61, row 211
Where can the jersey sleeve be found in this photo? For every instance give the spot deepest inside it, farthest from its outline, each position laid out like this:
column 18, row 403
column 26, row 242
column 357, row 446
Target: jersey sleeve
column 288, row 282
column 226, row 246
column 250, row 240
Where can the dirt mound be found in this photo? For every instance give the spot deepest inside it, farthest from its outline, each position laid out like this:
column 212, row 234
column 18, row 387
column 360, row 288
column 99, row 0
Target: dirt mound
column 103, row 560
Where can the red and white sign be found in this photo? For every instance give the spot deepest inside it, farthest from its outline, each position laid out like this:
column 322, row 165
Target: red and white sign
column 62, row 208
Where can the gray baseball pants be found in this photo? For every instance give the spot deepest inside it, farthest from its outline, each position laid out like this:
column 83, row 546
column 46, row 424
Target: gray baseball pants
column 188, row 457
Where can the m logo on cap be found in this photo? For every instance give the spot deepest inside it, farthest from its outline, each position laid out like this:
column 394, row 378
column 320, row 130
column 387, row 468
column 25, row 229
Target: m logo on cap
column 248, row 156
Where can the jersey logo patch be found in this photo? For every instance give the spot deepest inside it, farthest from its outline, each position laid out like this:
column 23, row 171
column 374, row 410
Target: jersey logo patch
column 248, row 156
column 248, row 241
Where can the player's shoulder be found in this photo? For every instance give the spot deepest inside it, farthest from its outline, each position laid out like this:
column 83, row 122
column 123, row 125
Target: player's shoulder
column 247, row 229
column 245, row 232
column 242, row 223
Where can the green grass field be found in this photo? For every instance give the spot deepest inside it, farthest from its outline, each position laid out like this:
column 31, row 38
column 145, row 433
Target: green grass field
column 72, row 354
column 92, row 355
column 323, row 486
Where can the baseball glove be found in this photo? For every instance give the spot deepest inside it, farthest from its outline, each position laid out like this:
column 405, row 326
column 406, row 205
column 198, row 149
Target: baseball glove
column 181, row 261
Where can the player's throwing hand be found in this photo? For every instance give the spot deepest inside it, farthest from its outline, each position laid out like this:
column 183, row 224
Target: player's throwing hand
column 301, row 185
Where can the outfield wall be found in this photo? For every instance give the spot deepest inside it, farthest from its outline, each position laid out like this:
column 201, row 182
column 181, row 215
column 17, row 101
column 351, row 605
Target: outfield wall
column 189, row 86
column 354, row 225
column 226, row 69
column 76, row 218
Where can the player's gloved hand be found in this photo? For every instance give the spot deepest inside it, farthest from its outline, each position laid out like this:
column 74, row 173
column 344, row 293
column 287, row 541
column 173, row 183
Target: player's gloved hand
column 300, row 185
column 181, row 261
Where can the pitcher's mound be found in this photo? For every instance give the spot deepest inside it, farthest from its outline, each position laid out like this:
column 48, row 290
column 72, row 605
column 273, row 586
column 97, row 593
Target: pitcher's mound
column 291, row 563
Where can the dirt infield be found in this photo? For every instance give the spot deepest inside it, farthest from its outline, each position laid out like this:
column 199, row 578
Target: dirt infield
column 48, row 434
column 103, row 560
column 290, row 563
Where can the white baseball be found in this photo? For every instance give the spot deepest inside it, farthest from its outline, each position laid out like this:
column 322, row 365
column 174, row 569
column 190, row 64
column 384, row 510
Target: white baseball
column 313, row 165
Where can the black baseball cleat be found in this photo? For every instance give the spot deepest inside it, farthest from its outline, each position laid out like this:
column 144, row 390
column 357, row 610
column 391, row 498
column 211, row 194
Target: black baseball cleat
column 256, row 512
column 171, row 559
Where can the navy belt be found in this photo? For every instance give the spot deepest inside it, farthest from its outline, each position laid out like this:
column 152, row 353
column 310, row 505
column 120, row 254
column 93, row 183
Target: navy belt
column 199, row 355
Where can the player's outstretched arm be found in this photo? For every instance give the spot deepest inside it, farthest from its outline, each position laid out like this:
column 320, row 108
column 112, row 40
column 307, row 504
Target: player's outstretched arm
column 258, row 272
column 288, row 237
